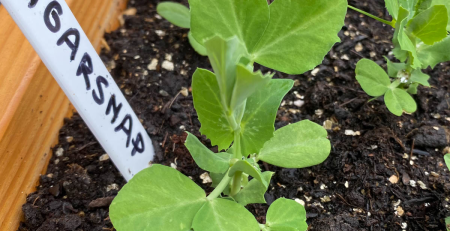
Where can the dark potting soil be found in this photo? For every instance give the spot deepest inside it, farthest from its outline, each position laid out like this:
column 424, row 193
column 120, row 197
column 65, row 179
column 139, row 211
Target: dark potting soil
column 384, row 172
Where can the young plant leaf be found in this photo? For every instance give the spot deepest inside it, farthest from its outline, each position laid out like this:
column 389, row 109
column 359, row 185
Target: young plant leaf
column 257, row 125
column 210, row 111
column 372, row 78
column 247, row 167
column 447, row 4
column 247, row 82
column 399, row 53
column 224, row 215
column 175, row 13
column 395, row 68
column 410, row 6
column 430, row 25
column 417, row 76
column 205, row 158
column 435, row 54
column 447, row 223
column 412, row 89
column 286, row 215
column 254, row 191
column 158, row 198
column 392, row 7
column 398, row 100
column 199, row 48
column 304, row 144
column 224, row 56
column 447, row 160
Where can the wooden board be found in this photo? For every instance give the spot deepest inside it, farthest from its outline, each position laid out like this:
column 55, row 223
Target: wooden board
column 32, row 106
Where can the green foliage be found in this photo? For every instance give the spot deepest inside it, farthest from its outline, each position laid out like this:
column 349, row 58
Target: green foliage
column 420, row 41
column 286, row 215
column 447, row 160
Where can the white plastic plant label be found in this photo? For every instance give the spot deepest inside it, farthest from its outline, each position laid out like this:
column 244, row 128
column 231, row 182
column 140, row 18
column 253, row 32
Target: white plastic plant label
column 64, row 48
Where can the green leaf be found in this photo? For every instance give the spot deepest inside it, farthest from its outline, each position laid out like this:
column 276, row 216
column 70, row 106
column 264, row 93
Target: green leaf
column 295, row 38
column 447, row 161
column 247, row 82
column 285, row 214
column 227, row 18
column 430, row 25
column 412, row 89
column 158, row 198
column 447, row 223
column 399, row 53
column 398, row 100
column 447, row 4
column 395, row 68
column 210, row 110
column 392, row 7
column 435, row 54
column 418, row 77
column 423, row 5
column 372, row 78
column 247, row 167
column 257, row 125
column 205, row 158
column 175, row 13
column 254, row 191
column 199, row 48
column 410, row 6
column 297, row 145
column 224, row 215
column 224, row 56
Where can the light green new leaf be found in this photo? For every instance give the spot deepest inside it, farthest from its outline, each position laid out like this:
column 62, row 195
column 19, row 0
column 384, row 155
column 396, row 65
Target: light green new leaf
column 246, row 167
column 205, row 158
column 412, row 89
column 285, row 214
column 224, row 215
column 158, row 198
column 392, row 7
column 407, row 45
column 418, row 76
column 254, row 191
column 304, row 144
column 175, row 13
column 447, row 161
column 430, row 25
column 395, row 68
column 199, row 48
column 435, row 54
column 372, row 78
column 257, row 125
column 247, row 82
column 398, row 100
column 210, row 111
column 400, row 54
column 447, row 4
column 224, row 56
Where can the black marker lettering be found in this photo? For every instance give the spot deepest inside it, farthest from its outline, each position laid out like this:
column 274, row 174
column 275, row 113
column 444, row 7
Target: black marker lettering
column 116, row 109
column 85, row 67
column 51, row 8
column 100, row 100
column 136, row 143
column 32, row 3
column 73, row 46
column 126, row 129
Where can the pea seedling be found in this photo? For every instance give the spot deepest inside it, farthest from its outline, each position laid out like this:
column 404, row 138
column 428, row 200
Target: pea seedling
column 237, row 108
column 447, row 162
column 420, row 41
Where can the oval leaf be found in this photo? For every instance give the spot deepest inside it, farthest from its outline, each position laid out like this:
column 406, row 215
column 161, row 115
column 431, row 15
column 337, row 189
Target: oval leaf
column 175, row 13
column 199, row 48
column 254, row 191
column 447, row 4
column 372, row 78
column 297, row 145
column 430, row 25
column 224, row 215
column 284, row 214
column 398, row 100
column 205, row 158
column 158, row 198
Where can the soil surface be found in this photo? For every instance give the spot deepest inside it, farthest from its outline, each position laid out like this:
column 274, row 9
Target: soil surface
column 384, row 172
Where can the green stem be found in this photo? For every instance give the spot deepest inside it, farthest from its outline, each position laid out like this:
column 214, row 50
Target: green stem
column 220, row 187
column 262, row 226
column 237, row 144
column 236, row 185
column 390, row 23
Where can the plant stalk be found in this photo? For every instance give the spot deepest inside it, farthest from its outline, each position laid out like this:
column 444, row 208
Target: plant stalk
column 220, row 187
column 390, row 23
column 236, row 185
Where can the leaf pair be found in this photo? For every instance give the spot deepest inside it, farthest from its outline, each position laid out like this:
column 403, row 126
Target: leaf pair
column 375, row 82
column 289, row 36
column 160, row 198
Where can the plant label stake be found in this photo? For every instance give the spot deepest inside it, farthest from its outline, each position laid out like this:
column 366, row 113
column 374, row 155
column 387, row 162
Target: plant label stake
column 64, row 48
